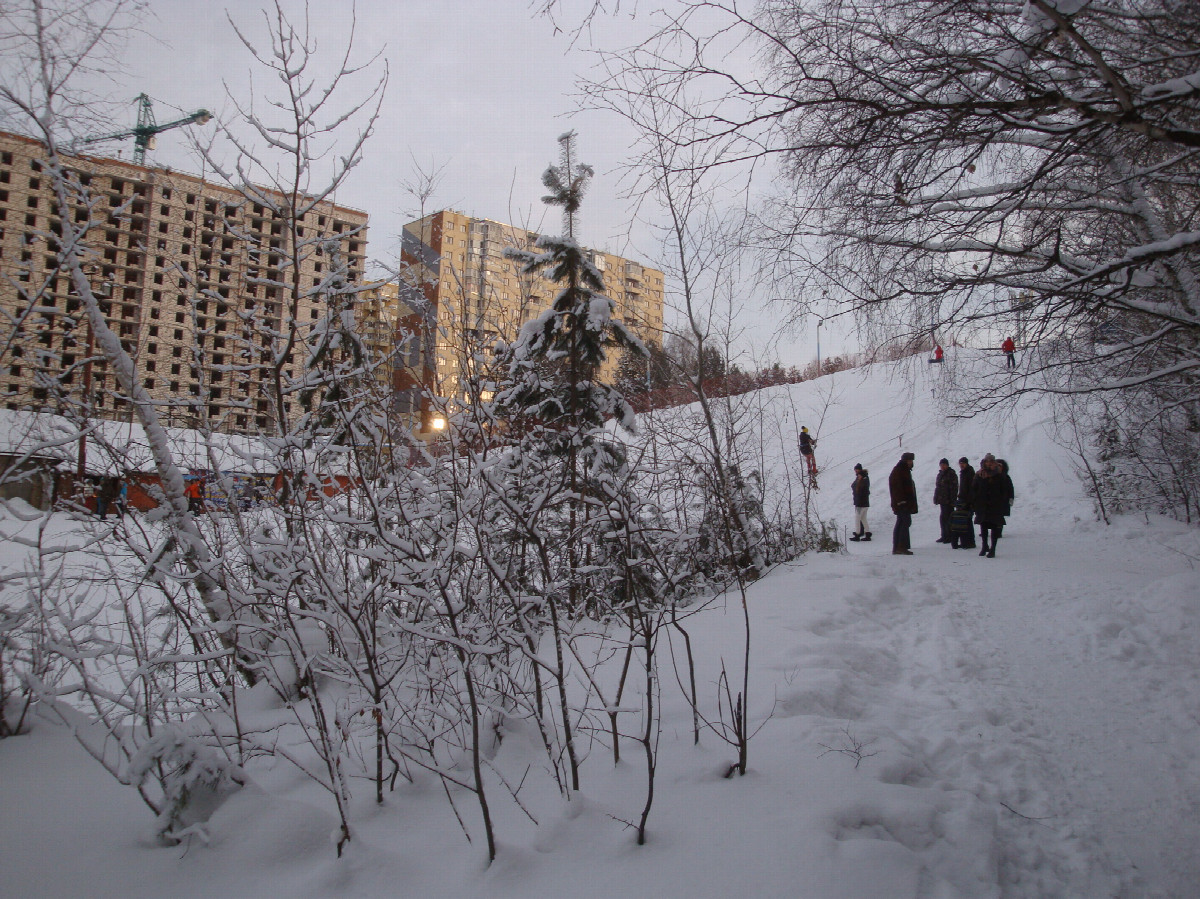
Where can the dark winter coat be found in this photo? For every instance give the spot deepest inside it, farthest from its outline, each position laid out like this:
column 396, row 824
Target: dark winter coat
column 989, row 499
column 861, row 490
column 1006, row 481
column 945, row 488
column 902, row 489
column 806, row 443
column 965, row 477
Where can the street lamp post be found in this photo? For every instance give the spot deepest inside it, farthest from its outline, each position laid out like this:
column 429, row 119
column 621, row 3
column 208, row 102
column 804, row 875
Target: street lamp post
column 820, row 321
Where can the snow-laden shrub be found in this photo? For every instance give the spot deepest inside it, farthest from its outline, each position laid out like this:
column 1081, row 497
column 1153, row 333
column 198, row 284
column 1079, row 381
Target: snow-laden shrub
column 193, row 779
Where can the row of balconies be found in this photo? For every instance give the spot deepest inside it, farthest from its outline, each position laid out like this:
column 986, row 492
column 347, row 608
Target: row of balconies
column 133, row 234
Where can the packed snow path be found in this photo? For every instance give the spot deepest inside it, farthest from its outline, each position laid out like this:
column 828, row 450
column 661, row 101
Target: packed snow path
column 1068, row 679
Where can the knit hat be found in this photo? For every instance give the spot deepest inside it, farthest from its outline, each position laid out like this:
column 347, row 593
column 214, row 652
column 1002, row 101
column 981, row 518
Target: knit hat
column 804, row 429
column 989, row 458
column 943, row 462
column 908, row 457
column 964, row 460
column 858, row 466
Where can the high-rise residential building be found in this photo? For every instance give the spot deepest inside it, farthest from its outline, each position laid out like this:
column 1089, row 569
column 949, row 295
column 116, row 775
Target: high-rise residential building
column 472, row 294
column 194, row 277
column 398, row 337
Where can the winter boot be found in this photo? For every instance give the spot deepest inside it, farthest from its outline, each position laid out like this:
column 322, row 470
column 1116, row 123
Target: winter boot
column 856, row 537
column 867, row 537
column 992, row 552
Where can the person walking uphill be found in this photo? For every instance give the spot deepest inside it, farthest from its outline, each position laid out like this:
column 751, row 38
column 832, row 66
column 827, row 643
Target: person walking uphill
column 904, row 503
column 860, row 490
column 945, row 493
column 989, row 498
column 806, row 450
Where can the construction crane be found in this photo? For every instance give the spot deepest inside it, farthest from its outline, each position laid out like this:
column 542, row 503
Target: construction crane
column 146, row 130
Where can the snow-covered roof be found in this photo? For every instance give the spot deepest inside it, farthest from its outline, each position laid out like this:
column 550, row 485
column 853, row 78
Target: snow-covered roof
column 116, row 447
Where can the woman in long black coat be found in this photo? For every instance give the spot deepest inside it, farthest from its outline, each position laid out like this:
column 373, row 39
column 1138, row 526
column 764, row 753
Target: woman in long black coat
column 1009, row 493
column 989, row 499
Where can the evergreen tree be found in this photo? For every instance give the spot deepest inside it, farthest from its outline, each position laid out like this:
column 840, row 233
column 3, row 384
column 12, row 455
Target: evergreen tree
column 557, row 408
column 556, row 359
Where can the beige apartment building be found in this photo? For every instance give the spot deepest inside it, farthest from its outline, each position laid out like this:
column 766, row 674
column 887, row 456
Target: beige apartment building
column 473, row 295
column 397, row 334
column 194, row 277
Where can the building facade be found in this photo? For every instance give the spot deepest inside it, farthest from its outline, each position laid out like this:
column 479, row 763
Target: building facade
column 398, row 335
column 454, row 264
column 200, row 282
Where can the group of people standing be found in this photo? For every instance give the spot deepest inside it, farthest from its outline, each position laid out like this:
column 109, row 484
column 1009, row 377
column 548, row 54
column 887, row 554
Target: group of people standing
column 112, row 494
column 986, row 494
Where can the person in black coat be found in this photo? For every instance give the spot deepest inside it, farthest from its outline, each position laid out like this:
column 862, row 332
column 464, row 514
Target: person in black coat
column 860, row 490
column 1006, row 481
column 945, row 494
column 904, row 503
column 966, row 475
column 105, row 497
column 989, row 499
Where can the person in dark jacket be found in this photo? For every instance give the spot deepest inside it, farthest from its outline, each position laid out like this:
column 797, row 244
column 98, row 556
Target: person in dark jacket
column 988, row 499
column 860, row 490
column 806, row 450
column 945, row 493
column 964, row 537
column 104, row 497
column 904, row 503
column 1009, row 493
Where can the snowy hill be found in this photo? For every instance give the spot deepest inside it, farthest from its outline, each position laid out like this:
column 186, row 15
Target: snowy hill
column 871, row 415
column 931, row 726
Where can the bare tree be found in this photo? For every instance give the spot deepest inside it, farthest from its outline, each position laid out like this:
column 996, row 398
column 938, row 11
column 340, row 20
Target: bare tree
column 978, row 168
column 680, row 174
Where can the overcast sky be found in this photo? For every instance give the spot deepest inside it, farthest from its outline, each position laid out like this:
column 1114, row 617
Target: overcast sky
column 479, row 89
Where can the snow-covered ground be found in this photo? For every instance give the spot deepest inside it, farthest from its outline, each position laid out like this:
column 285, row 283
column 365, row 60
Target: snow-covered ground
column 931, row 726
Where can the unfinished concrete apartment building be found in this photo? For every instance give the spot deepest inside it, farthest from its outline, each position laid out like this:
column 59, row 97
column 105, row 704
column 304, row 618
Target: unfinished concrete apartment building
column 473, row 295
column 193, row 276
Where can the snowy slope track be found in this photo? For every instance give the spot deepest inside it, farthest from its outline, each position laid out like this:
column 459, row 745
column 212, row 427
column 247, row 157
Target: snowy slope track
column 1051, row 690
column 1095, row 683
